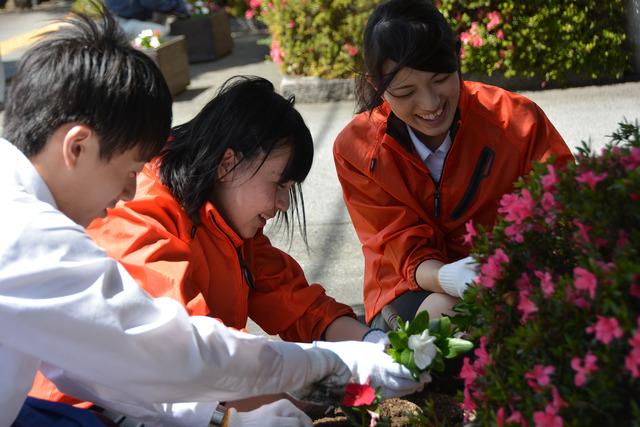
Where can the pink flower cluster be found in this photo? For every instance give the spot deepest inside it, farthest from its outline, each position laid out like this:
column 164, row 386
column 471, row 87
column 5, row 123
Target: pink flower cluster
column 584, row 368
column 470, row 372
column 491, row 270
column 253, row 9
column 632, row 361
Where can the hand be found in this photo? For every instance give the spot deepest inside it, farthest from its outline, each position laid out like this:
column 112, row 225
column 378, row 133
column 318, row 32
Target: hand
column 376, row 336
column 326, row 378
column 455, row 277
column 281, row 413
column 369, row 361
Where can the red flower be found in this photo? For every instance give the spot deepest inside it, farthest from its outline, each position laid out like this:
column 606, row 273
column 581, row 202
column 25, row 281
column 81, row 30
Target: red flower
column 359, row 395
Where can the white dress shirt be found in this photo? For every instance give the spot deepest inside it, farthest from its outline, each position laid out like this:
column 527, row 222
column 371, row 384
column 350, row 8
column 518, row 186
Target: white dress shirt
column 68, row 309
column 434, row 160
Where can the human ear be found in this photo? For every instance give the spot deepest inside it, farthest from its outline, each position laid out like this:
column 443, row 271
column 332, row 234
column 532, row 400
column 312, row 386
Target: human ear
column 74, row 144
column 227, row 165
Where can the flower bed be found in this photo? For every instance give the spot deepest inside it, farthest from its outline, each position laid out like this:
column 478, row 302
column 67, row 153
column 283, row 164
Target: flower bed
column 557, row 302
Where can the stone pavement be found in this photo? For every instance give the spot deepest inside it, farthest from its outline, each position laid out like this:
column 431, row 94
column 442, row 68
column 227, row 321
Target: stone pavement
column 334, row 258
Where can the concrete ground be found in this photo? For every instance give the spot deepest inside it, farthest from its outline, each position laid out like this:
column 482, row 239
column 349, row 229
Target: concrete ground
column 334, row 258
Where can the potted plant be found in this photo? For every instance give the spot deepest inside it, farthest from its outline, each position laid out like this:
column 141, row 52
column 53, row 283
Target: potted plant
column 207, row 31
column 171, row 56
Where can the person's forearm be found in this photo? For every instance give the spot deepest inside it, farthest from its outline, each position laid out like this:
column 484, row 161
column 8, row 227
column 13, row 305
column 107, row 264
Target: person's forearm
column 345, row 329
column 427, row 275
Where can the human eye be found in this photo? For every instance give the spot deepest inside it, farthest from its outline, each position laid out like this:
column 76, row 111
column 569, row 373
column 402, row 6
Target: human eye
column 400, row 94
column 441, row 78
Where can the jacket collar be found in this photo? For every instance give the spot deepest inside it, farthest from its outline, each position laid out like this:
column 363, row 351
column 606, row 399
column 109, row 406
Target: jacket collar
column 16, row 170
column 210, row 217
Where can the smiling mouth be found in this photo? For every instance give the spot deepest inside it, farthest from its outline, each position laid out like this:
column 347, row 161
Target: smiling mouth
column 431, row 117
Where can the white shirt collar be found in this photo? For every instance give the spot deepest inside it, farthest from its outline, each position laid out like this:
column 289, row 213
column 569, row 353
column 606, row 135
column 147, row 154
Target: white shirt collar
column 422, row 149
column 17, row 170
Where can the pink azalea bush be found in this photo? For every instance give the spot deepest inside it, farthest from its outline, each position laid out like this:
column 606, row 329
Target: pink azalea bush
column 556, row 306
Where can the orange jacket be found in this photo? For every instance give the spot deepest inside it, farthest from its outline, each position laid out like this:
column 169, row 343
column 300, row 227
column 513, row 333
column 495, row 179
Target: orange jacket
column 153, row 237
column 401, row 216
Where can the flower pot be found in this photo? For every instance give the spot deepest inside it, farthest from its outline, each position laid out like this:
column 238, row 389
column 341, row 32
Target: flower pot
column 208, row 36
column 171, row 57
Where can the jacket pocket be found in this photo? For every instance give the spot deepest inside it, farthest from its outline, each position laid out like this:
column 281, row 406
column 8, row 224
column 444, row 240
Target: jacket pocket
column 481, row 171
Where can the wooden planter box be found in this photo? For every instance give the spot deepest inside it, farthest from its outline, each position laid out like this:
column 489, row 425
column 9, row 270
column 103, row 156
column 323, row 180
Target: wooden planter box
column 171, row 57
column 208, row 36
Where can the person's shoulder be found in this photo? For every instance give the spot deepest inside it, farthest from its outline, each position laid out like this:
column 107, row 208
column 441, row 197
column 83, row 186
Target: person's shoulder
column 496, row 99
column 362, row 133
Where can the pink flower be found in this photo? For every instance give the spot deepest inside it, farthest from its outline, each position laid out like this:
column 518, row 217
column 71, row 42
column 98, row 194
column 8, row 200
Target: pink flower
column 291, row 24
column 632, row 161
column 583, row 369
column 583, row 230
column 591, row 179
column 526, row 306
column 517, row 208
column 462, row 52
column 500, row 417
column 539, row 376
column 514, row 418
column 468, row 404
column 474, row 28
column 549, row 180
column 248, row 15
column 467, row 373
column 494, row 20
column 351, row 50
column 492, row 269
column 471, row 233
column 500, row 34
column 276, row 52
column 632, row 361
column 548, row 418
column 514, row 232
column 482, row 355
column 523, row 283
column 254, row 4
column 477, row 41
column 584, row 280
column 465, row 37
column 548, row 202
column 557, row 403
column 546, row 283
column 606, row 329
column 635, row 290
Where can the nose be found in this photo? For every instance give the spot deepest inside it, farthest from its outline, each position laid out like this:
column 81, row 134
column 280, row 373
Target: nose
column 282, row 199
column 429, row 99
column 129, row 190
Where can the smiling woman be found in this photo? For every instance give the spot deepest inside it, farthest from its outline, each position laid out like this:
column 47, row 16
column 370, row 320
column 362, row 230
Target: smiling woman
column 428, row 153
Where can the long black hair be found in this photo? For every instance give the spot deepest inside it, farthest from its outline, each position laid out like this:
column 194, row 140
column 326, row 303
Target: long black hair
column 249, row 117
column 411, row 33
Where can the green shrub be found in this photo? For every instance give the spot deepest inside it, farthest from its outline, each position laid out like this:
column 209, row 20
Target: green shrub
column 546, row 39
column 543, row 39
column 317, row 37
column 557, row 301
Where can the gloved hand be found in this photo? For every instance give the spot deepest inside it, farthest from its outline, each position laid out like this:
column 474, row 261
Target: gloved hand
column 281, row 413
column 455, row 277
column 369, row 361
column 376, row 336
column 326, row 377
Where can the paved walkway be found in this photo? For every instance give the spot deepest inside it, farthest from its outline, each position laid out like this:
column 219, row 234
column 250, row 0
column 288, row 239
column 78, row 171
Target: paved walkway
column 334, row 258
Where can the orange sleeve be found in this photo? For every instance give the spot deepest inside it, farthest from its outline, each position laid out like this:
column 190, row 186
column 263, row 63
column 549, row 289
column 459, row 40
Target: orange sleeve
column 545, row 142
column 282, row 302
column 395, row 239
column 150, row 251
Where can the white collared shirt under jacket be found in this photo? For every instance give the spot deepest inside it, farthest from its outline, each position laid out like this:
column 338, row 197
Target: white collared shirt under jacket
column 76, row 314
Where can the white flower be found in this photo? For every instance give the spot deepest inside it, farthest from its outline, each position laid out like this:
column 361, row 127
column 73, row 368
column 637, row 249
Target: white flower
column 424, row 349
column 145, row 33
column 154, row 42
column 137, row 42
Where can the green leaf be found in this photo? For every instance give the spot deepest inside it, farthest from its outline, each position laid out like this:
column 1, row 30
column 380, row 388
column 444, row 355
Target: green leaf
column 396, row 340
column 419, row 323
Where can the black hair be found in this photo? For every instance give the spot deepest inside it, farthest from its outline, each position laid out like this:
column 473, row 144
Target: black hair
column 249, row 117
column 412, row 33
column 87, row 72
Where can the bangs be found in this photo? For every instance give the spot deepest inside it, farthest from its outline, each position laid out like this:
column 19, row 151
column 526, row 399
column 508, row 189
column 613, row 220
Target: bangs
column 424, row 46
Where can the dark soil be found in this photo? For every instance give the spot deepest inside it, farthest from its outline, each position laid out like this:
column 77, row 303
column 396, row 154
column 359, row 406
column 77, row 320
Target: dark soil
column 446, row 412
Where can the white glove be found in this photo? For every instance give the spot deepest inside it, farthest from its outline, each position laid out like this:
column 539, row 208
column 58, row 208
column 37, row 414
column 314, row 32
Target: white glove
column 376, row 336
column 369, row 361
column 454, row 278
column 325, row 377
column 281, row 413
